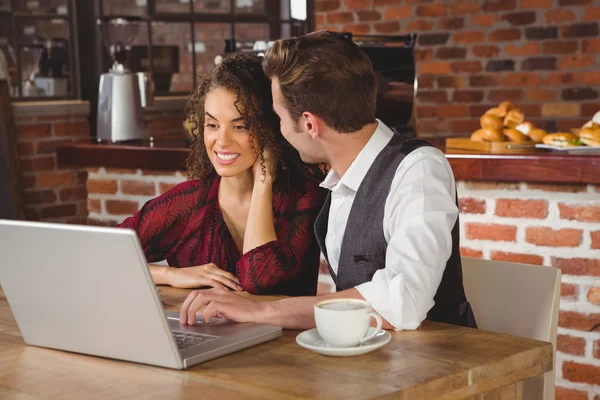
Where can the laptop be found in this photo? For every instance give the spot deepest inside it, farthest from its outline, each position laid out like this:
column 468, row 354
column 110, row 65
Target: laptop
column 88, row 290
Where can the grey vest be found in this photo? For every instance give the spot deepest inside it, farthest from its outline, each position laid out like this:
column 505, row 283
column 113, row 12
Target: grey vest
column 364, row 246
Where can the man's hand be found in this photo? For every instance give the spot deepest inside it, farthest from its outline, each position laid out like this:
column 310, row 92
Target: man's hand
column 202, row 275
column 219, row 302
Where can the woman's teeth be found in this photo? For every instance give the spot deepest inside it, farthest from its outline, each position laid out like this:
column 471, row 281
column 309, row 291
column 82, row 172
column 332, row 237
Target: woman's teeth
column 227, row 157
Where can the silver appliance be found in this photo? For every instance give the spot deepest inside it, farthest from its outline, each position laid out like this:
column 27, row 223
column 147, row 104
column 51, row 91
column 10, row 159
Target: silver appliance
column 88, row 290
column 122, row 94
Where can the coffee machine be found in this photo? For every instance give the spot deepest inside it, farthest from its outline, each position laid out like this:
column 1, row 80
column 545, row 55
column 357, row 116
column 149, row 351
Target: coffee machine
column 122, row 94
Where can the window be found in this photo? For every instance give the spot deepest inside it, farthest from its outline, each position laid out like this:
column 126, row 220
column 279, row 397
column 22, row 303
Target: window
column 38, row 49
column 183, row 37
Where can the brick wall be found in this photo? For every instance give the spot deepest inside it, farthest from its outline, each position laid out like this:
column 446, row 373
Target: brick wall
column 557, row 225
column 114, row 194
column 51, row 193
column 541, row 54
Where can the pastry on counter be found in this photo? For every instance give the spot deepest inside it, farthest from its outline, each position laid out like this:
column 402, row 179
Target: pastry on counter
column 590, row 125
column 506, row 122
column 537, row 135
column 525, row 127
column 497, row 112
column 515, row 135
column 590, row 136
column 514, row 118
column 594, row 121
column 491, row 121
column 505, row 107
column 487, row 135
column 502, row 109
column 561, row 139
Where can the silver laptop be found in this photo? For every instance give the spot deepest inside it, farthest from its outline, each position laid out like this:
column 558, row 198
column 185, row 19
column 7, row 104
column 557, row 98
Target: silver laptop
column 88, row 290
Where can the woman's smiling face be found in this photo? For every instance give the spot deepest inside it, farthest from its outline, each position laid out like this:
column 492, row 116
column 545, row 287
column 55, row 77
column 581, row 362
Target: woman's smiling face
column 227, row 138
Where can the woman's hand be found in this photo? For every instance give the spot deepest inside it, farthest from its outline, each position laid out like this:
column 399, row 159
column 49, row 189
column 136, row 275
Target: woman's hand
column 270, row 166
column 202, row 275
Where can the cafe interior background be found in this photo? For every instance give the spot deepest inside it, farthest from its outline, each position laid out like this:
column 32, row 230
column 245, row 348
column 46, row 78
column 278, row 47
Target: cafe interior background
column 449, row 62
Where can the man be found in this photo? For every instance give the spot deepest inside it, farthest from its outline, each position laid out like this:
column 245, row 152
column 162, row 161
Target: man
column 389, row 228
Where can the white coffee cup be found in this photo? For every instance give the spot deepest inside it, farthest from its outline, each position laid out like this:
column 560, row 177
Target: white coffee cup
column 345, row 322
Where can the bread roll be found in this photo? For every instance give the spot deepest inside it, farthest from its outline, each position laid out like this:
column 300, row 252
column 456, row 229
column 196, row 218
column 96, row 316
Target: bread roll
column 537, row 135
column 594, row 122
column 514, row 135
column 591, row 124
column 488, row 135
column 476, row 136
column 561, row 139
column 497, row 112
column 491, row 122
column 506, row 106
column 525, row 127
column 590, row 137
column 513, row 118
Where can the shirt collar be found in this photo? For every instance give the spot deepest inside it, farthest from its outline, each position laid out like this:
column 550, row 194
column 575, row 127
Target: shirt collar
column 363, row 161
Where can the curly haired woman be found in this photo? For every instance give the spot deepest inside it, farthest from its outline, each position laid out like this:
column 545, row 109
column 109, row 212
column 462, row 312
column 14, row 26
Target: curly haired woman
column 244, row 220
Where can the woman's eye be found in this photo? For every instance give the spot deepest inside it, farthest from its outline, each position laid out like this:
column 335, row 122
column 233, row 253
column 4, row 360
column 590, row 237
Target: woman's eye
column 210, row 126
column 240, row 127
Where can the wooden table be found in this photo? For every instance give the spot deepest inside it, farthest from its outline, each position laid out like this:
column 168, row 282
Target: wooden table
column 437, row 361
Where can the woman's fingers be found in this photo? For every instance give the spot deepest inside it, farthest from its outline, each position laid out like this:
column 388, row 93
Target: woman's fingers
column 216, row 280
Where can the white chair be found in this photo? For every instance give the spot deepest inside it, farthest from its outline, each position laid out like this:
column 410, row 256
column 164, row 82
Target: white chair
column 516, row 299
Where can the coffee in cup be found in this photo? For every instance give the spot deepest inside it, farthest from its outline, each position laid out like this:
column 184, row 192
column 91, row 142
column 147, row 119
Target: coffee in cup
column 345, row 322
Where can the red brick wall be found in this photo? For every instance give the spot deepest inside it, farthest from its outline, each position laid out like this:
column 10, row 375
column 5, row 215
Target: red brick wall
column 51, row 193
column 543, row 224
column 541, row 54
column 115, row 194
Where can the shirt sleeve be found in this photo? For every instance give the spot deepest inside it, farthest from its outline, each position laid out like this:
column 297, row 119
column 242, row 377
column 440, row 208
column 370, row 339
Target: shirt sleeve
column 420, row 213
column 161, row 222
column 278, row 262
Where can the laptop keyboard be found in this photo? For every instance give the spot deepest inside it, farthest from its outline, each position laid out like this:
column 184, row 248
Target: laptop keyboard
column 186, row 341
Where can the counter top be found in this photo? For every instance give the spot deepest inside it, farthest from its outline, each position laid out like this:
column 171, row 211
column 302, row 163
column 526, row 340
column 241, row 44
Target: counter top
column 169, row 155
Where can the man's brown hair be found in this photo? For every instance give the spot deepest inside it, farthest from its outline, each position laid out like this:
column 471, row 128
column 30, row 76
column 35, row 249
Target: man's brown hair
column 327, row 74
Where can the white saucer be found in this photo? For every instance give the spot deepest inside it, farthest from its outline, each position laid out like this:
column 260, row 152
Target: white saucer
column 311, row 340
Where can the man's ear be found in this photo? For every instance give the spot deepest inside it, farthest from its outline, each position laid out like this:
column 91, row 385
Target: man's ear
column 311, row 124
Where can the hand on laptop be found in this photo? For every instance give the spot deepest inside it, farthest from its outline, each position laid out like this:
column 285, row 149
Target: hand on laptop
column 203, row 275
column 220, row 303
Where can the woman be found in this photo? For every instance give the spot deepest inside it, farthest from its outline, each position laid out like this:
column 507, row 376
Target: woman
column 244, row 220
